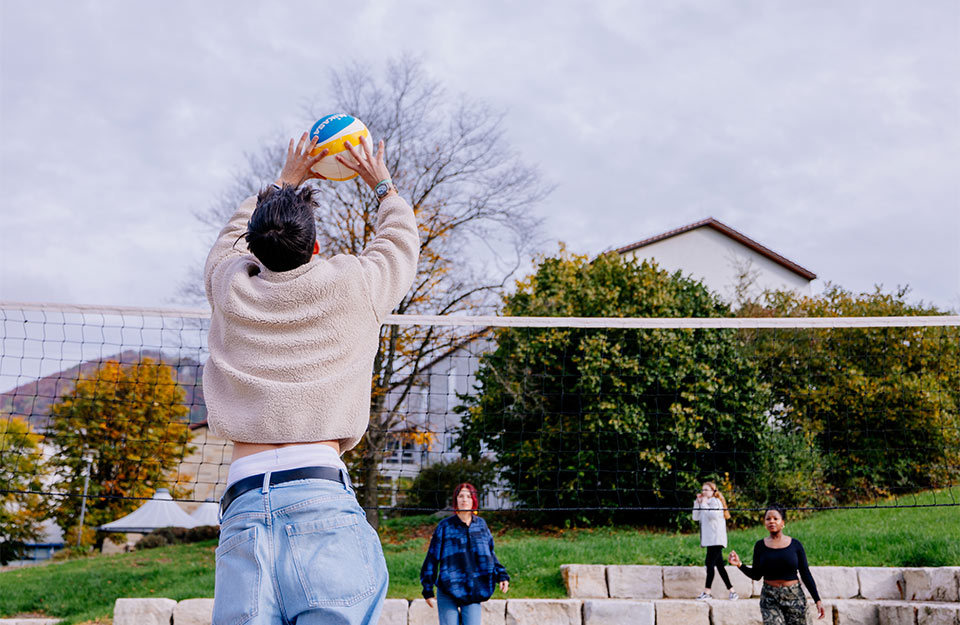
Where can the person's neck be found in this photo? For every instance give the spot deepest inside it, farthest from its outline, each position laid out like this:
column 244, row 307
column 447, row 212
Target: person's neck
column 776, row 535
column 466, row 516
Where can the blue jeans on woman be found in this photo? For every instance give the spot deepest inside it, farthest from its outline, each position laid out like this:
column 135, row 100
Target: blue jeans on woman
column 298, row 552
column 451, row 614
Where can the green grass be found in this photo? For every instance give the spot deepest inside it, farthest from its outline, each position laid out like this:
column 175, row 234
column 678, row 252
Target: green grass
column 85, row 589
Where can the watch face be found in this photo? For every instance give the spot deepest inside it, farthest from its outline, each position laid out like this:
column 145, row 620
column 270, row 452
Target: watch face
column 381, row 189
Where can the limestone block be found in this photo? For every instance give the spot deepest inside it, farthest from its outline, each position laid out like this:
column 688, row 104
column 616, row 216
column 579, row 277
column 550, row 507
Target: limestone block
column 682, row 612
column 686, row 582
column 931, row 584
column 897, row 613
column 151, row 611
column 938, row 614
column 29, row 621
column 585, row 580
column 193, row 612
column 617, row 612
column 393, row 612
column 683, row 582
column 419, row 613
column 854, row 612
column 757, row 587
column 541, row 611
column 635, row 582
column 879, row 582
column 743, row 585
column 494, row 612
column 835, row 582
column 742, row 612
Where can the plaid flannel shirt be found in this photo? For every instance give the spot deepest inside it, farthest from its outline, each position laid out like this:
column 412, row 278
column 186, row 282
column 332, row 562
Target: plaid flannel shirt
column 461, row 561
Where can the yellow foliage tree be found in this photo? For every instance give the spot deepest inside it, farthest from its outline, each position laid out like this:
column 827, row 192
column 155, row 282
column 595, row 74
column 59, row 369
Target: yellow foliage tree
column 127, row 426
column 21, row 509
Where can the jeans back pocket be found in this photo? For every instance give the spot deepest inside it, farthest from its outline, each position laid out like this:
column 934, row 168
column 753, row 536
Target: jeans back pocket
column 237, row 590
column 334, row 559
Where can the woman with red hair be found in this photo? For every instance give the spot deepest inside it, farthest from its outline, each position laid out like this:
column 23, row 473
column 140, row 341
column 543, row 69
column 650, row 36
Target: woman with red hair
column 461, row 563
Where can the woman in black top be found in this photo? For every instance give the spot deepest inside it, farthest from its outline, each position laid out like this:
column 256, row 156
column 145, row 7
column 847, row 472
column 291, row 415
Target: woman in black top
column 777, row 560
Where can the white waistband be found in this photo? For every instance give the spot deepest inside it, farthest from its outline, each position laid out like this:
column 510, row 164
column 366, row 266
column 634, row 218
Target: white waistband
column 283, row 458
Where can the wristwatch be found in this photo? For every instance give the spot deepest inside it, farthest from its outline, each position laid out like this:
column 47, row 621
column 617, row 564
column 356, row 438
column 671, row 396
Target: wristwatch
column 383, row 188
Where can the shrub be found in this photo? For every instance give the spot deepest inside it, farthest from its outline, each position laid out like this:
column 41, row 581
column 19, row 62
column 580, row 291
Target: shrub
column 151, row 541
column 433, row 487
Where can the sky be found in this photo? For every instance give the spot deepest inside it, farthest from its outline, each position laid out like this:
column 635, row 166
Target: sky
column 827, row 131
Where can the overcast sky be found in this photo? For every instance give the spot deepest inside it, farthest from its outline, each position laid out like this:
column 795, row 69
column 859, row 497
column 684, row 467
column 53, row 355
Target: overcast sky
column 827, row 131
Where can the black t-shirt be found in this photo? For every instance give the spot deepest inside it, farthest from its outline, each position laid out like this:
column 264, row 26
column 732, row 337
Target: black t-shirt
column 781, row 565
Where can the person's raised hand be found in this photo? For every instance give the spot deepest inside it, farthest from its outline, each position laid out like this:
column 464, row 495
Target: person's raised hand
column 431, row 602
column 505, row 585
column 299, row 164
column 820, row 611
column 370, row 166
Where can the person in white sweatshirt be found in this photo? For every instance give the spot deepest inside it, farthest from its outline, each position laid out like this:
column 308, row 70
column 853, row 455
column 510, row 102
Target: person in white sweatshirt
column 292, row 340
column 710, row 509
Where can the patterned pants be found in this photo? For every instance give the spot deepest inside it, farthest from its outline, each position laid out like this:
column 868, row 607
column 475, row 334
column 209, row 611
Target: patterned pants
column 783, row 606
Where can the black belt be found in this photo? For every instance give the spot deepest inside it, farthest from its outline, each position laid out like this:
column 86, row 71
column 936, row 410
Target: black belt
column 279, row 477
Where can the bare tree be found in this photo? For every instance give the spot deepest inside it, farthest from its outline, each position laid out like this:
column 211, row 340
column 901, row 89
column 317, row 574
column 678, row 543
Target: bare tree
column 472, row 197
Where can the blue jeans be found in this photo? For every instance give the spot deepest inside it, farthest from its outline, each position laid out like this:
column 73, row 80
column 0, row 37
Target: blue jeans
column 299, row 552
column 450, row 614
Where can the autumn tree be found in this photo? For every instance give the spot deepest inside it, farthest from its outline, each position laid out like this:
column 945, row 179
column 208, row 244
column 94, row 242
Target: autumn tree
column 21, row 508
column 586, row 419
column 127, row 426
column 472, row 196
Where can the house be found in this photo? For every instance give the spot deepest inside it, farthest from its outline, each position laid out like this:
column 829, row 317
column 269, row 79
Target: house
column 728, row 262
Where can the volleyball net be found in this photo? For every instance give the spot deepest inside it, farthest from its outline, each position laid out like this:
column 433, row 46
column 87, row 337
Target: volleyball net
column 583, row 416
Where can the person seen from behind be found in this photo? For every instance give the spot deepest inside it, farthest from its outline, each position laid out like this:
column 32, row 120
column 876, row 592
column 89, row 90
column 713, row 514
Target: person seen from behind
column 461, row 569
column 292, row 340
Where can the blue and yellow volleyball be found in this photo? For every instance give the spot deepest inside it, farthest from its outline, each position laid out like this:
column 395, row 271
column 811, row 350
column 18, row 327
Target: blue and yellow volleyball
column 331, row 131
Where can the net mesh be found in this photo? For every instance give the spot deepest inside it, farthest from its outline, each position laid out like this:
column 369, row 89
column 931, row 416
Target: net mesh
column 587, row 416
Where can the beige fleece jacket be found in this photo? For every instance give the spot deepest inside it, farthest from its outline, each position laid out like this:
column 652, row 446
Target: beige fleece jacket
column 291, row 352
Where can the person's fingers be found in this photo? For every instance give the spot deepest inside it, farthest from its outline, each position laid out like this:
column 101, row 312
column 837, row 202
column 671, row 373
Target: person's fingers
column 290, row 149
column 319, row 157
column 353, row 152
column 352, row 166
column 381, row 152
column 303, row 140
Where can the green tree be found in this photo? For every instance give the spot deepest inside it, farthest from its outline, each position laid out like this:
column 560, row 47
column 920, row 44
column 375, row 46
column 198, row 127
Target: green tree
column 127, row 425
column 21, row 511
column 880, row 403
column 614, row 418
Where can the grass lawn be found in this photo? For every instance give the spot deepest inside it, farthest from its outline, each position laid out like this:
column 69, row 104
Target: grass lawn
column 85, row 589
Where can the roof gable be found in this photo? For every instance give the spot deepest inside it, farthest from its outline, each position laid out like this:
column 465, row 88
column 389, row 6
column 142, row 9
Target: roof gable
column 726, row 230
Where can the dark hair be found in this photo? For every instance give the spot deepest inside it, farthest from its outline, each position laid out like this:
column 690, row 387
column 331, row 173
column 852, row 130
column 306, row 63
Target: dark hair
column 473, row 494
column 778, row 509
column 281, row 231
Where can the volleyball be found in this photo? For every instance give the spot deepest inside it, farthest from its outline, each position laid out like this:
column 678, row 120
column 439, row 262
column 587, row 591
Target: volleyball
column 331, row 131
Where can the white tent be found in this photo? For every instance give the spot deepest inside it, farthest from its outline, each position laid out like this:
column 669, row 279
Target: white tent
column 161, row 511
column 207, row 513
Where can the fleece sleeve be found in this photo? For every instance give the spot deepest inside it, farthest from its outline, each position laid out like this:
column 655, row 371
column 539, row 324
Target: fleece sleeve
column 389, row 261
column 229, row 243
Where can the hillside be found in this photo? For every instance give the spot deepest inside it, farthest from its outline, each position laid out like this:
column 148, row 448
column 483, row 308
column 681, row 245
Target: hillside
column 34, row 399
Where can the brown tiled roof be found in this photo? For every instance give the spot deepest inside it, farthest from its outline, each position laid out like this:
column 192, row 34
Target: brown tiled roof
column 710, row 222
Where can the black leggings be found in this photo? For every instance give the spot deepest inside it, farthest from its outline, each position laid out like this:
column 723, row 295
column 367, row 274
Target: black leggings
column 715, row 558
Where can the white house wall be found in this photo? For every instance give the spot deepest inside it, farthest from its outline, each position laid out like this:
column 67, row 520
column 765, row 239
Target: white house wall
column 708, row 255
